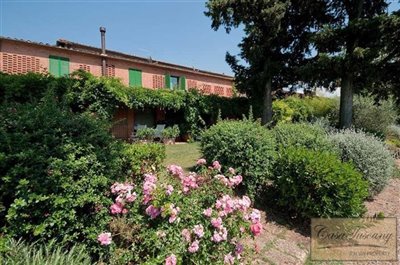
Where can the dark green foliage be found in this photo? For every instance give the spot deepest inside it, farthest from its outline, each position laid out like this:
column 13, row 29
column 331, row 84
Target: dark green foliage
column 24, row 88
column 244, row 145
column 55, row 169
column 143, row 158
column 302, row 135
column 275, row 41
column 316, row 184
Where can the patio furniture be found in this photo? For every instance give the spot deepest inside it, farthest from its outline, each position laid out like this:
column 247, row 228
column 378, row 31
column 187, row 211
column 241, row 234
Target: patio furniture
column 159, row 129
column 135, row 128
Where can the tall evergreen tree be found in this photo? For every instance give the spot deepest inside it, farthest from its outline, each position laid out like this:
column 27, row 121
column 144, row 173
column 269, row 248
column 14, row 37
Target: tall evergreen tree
column 356, row 44
column 276, row 40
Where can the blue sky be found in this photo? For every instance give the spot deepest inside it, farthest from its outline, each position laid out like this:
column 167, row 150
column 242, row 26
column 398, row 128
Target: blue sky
column 173, row 31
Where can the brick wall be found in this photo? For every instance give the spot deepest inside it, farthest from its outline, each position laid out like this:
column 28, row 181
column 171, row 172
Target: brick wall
column 21, row 57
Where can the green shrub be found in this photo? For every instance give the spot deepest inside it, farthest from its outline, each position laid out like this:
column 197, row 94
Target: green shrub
column 282, row 112
column 170, row 132
column 141, row 158
column 244, row 145
column 18, row 252
column 321, row 107
column 301, row 110
column 307, row 135
column 54, row 169
column 146, row 134
column 370, row 116
column 298, row 109
column 317, row 184
column 368, row 154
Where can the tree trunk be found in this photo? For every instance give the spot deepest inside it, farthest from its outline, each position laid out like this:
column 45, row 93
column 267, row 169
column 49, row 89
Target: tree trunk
column 267, row 102
column 346, row 102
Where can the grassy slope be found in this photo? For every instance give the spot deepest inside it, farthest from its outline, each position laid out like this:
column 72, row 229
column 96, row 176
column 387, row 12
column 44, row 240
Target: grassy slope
column 184, row 155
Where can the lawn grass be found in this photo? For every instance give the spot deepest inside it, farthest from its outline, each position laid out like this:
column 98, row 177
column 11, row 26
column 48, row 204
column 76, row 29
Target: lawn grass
column 184, row 155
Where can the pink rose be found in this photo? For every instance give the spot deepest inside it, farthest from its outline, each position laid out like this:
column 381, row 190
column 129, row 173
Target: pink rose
column 201, row 162
column 152, row 211
column 131, row 197
column 256, row 229
column 169, row 190
column 104, row 239
column 216, row 222
column 198, row 230
column 229, row 259
column 231, row 170
column 170, row 260
column 216, row 165
column 187, row 235
column 207, row 212
column 194, row 247
column 116, row 208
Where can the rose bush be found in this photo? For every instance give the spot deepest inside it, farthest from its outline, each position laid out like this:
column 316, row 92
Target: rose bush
column 179, row 218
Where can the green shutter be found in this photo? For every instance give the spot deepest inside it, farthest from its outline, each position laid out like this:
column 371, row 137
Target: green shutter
column 64, row 66
column 167, row 81
column 58, row 66
column 135, row 78
column 182, row 82
column 53, row 66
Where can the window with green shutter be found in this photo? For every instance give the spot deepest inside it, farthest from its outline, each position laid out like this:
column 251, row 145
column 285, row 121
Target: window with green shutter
column 58, row 66
column 135, row 78
column 167, row 81
column 182, row 82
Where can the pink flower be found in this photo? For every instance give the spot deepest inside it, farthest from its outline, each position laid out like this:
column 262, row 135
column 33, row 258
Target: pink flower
column 201, row 162
column 255, row 216
column 239, row 249
column 173, row 213
column 116, row 208
column 207, row 212
column 104, row 239
column 187, row 235
column 189, row 182
column 198, row 230
column 216, row 165
column 170, row 260
column 216, row 222
column 152, row 211
column 220, row 235
column 236, row 180
column 175, row 170
column 120, row 188
column 256, row 228
column 169, row 190
column 148, row 186
column 131, row 197
column 194, row 247
column 229, row 259
column 231, row 170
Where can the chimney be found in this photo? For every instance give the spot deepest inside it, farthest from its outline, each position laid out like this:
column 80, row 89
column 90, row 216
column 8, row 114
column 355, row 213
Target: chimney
column 103, row 51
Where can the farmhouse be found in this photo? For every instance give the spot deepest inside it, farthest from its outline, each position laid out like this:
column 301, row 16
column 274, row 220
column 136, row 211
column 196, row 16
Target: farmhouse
column 21, row 56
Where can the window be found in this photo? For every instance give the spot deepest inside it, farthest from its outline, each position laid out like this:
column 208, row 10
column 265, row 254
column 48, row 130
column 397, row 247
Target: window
column 135, row 78
column 58, row 66
column 174, row 82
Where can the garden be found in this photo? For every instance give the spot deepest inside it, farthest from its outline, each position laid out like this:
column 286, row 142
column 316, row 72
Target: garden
column 73, row 194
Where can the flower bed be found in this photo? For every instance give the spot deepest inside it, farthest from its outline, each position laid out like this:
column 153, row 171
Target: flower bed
column 178, row 218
